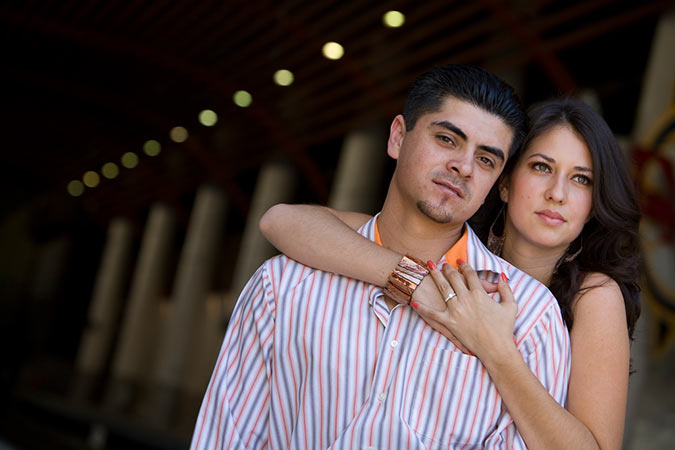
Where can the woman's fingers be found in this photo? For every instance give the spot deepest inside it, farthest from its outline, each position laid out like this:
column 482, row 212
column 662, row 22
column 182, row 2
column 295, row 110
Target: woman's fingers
column 505, row 292
column 434, row 319
column 443, row 285
column 489, row 287
column 469, row 274
column 456, row 280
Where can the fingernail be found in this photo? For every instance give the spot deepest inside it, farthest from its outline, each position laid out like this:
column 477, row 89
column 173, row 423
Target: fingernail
column 504, row 277
column 460, row 261
column 414, row 305
column 431, row 265
column 444, row 264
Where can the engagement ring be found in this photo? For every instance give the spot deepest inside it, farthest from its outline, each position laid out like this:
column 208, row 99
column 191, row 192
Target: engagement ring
column 450, row 296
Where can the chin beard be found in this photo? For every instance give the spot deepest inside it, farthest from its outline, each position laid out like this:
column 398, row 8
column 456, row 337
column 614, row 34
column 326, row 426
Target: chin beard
column 438, row 215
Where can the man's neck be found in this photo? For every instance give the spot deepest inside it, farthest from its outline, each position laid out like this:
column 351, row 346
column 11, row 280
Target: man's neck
column 417, row 234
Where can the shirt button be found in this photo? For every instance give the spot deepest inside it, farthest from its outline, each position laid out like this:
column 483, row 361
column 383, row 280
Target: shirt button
column 381, row 396
column 370, row 448
column 393, row 343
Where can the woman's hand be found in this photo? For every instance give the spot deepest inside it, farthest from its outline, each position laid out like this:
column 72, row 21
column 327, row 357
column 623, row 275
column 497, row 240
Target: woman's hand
column 472, row 318
column 427, row 301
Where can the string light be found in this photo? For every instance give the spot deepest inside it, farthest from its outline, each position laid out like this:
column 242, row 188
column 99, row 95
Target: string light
column 393, row 19
column 152, row 147
column 333, row 50
column 242, row 98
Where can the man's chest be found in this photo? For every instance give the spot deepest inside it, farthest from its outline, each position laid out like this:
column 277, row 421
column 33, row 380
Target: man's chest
column 341, row 364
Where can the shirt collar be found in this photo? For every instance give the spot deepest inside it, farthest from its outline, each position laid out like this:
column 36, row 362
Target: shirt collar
column 468, row 247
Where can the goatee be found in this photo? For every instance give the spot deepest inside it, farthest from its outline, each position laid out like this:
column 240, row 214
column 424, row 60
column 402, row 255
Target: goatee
column 437, row 214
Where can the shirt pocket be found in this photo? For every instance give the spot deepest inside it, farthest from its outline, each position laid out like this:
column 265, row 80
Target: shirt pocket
column 455, row 401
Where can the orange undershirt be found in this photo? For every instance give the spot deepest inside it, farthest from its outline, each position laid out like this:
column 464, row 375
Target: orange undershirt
column 457, row 251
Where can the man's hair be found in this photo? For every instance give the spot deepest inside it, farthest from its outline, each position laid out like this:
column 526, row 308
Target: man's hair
column 470, row 84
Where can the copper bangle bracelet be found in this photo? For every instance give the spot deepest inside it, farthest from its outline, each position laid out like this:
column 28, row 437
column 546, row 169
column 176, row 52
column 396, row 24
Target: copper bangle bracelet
column 405, row 278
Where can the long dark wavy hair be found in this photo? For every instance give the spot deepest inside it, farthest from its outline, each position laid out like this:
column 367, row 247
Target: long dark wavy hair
column 609, row 241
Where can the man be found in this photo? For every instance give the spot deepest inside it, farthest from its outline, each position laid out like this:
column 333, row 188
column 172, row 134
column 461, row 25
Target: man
column 315, row 360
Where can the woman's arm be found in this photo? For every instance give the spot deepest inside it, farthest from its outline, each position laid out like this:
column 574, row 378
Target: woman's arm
column 598, row 386
column 324, row 238
column 599, row 374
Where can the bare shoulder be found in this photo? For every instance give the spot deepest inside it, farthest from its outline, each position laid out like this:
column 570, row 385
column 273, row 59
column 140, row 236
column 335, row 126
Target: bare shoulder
column 599, row 300
column 598, row 279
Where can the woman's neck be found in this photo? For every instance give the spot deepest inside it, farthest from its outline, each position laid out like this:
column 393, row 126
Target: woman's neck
column 537, row 262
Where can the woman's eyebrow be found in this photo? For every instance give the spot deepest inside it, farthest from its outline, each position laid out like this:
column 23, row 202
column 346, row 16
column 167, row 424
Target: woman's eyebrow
column 552, row 160
column 541, row 155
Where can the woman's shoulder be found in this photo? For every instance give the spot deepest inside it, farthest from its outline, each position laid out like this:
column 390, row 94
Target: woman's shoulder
column 598, row 293
column 594, row 280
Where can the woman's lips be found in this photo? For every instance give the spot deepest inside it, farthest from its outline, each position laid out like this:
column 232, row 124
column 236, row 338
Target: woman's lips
column 550, row 217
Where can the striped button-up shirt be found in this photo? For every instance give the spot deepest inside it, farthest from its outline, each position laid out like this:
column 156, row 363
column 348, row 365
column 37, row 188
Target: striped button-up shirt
column 314, row 360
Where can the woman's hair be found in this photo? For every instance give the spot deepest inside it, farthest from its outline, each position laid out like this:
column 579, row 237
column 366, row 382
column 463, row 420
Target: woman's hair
column 609, row 240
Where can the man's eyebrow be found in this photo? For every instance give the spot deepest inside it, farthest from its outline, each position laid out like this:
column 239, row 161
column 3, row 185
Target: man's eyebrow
column 450, row 127
column 551, row 160
column 497, row 152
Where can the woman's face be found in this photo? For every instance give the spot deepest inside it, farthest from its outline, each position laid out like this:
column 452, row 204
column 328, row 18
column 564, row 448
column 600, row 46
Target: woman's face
column 549, row 193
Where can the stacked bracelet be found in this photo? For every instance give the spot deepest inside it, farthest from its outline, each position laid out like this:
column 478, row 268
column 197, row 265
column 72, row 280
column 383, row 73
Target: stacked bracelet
column 405, row 278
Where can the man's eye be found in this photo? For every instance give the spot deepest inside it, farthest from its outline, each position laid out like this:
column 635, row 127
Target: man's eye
column 487, row 161
column 445, row 139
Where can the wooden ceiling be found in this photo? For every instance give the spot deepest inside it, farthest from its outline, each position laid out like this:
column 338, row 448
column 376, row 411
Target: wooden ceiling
column 85, row 81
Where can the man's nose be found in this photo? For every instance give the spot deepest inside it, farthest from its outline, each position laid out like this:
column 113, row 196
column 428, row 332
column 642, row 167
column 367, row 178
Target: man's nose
column 462, row 164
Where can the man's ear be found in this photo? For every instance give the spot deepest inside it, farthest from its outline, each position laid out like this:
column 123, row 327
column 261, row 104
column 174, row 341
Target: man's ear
column 396, row 136
column 504, row 189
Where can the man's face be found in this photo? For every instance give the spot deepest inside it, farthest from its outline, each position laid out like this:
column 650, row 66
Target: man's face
column 449, row 161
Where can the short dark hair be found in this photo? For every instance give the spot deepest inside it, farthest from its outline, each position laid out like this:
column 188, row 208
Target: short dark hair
column 471, row 84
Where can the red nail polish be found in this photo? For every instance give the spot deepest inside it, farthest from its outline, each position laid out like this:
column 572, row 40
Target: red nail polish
column 504, row 277
column 460, row 261
column 431, row 265
column 414, row 305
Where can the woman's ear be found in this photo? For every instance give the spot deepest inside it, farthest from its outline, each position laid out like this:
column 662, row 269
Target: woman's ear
column 504, row 189
column 396, row 136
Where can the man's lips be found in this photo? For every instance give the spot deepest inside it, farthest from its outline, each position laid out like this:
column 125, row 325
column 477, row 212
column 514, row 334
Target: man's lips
column 451, row 187
column 551, row 217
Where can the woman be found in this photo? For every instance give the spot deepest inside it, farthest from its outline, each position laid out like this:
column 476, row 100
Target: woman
column 570, row 220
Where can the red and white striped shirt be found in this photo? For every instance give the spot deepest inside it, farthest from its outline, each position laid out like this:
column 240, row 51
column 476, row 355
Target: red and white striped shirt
column 314, row 360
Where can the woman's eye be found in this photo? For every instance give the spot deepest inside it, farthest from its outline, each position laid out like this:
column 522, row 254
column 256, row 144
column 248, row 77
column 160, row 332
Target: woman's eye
column 582, row 179
column 541, row 167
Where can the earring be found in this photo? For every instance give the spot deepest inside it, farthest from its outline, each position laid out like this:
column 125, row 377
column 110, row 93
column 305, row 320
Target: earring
column 496, row 243
column 567, row 257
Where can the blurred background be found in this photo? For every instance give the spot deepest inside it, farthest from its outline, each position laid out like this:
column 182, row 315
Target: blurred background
column 143, row 140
